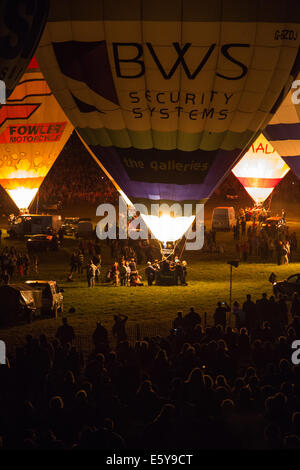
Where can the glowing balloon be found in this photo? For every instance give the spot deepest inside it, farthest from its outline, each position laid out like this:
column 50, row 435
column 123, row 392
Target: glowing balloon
column 21, row 26
column 168, row 94
column 260, row 170
column 284, row 129
column 33, row 131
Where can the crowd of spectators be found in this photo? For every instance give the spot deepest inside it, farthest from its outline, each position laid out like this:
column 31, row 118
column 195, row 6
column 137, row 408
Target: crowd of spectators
column 256, row 242
column 76, row 178
column 15, row 264
column 200, row 387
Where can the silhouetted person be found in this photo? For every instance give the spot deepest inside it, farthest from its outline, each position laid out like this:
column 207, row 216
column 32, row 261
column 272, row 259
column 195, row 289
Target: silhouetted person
column 295, row 307
column 119, row 327
column 283, row 310
column 191, row 319
column 100, row 336
column 178, row 321
column 65, row 333
column 220, row 314
column 263, row 308
column 251, row 316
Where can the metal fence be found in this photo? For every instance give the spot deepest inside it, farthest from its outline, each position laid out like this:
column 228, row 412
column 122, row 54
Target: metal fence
column 84, row 343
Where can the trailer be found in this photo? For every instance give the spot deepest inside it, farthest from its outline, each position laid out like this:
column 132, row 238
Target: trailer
column 32, row 224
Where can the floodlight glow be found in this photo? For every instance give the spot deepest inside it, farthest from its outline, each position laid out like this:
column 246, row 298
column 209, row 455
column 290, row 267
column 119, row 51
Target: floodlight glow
column 167, row 228
column 259, row 195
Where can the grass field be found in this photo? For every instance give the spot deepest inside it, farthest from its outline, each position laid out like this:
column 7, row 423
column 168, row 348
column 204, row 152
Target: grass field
column 208, row 282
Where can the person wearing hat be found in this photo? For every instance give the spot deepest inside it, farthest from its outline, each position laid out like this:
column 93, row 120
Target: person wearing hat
column 150, row 273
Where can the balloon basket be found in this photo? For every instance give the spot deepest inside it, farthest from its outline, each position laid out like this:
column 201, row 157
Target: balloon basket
column 167, row 248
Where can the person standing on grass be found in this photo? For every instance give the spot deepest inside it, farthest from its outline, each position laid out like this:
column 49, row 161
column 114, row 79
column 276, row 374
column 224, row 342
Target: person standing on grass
column 100, row 336
column 128, row 274
column 80, row 262
column 118, row 328
column 245, row 250
column 251, row 317
column 65, row 333
column 278, row 245
column 73, row 263
column 239, row 316
column 243, row 226
column 115, row 272
column 97, row 263
column 220, row 314
column 184, row 272
column 150, row 273
column 191, row 319
column 272, row 278
column 90, row 274
column 123, row 273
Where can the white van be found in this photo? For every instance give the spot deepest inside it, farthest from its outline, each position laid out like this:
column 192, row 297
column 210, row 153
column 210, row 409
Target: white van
column 223, row 218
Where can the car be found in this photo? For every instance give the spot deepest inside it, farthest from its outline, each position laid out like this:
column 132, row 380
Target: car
column 273, row 224
column 52, row 297
column 69, row 225
column 42, row 242
column 288, row 286
column 52, row 206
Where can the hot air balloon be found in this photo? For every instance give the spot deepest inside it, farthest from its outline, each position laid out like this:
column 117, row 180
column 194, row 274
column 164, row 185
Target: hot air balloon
column 33, row 131
column 260, row 170
column 283, row 130
column 21, row 25
column 167, row 95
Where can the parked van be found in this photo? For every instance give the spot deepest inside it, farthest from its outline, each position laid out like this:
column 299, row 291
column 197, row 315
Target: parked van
column 19, row 302
column 52, row 297
column 223, row 218
column 84, row 230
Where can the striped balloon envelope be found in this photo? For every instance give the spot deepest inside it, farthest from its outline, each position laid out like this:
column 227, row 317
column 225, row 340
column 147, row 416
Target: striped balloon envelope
column 260, row 170
column 33, row 131
column 284, row 129
column 167, row 95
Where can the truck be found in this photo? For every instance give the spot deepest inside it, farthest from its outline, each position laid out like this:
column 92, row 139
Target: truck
column 19, row 302
column 223, row 218
column 32, row 224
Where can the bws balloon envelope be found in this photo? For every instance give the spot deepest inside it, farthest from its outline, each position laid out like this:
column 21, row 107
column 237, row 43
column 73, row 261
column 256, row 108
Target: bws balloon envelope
column 167, row 95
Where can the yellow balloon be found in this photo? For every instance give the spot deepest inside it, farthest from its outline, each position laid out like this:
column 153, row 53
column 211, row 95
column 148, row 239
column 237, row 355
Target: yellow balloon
column 33, row 131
